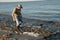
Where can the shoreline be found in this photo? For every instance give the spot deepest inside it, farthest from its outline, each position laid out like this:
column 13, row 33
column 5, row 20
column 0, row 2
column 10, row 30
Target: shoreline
column 30, row 19
column 33, row 22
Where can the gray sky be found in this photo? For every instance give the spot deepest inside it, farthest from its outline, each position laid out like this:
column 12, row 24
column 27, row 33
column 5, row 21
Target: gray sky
column 17, row 0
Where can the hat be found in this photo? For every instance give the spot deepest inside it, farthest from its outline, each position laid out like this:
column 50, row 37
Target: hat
column 19, row 5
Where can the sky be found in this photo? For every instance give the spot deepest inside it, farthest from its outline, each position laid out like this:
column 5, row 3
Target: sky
column 17, row 0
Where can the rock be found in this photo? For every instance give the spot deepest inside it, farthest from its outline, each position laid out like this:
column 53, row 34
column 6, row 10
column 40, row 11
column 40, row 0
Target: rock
column 34, row 30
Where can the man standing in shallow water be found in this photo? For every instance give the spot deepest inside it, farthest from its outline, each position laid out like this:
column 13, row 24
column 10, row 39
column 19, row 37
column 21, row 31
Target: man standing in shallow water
column 16, row 15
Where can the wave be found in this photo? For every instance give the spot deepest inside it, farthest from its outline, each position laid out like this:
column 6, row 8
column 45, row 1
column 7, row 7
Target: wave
column 44, row 11
column 40, row 0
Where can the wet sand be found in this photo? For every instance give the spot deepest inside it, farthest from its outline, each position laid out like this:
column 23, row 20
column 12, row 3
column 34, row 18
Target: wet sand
column 46, row 30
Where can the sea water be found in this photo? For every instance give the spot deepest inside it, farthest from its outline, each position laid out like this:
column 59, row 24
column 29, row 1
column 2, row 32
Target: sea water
column 42, row 10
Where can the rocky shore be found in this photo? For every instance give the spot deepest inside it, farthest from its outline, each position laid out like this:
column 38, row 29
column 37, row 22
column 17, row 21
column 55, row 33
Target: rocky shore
column 32, row 29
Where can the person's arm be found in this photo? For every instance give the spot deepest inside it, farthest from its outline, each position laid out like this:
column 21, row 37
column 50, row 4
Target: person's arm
column 13, row 14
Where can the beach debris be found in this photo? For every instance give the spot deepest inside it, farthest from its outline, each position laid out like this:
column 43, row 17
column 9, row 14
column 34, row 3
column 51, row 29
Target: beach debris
column 40, row 30
column 31, row 34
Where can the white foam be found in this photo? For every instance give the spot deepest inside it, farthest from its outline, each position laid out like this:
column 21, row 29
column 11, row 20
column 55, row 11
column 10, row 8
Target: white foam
column 31, row 34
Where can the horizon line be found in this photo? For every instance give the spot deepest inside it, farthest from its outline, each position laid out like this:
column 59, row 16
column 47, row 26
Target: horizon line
column 21, row 1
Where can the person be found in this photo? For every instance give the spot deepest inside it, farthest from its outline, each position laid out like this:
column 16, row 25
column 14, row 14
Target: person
column 17, row 16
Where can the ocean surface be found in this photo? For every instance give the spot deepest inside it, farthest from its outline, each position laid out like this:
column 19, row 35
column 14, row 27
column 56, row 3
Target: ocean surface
column 42, row 10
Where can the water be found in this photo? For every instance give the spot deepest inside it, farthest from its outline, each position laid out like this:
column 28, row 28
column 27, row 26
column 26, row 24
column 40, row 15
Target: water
column 42, row 10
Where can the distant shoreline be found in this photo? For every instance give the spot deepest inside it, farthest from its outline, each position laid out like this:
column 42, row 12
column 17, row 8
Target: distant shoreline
column 19, row 1
column 28, row 19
